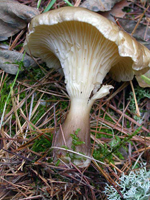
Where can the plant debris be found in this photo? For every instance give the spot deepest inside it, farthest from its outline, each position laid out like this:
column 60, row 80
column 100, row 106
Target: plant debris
column 144, row 80
column 14, row 17
column 39, row 102
column 98, row 5
column 10, row 60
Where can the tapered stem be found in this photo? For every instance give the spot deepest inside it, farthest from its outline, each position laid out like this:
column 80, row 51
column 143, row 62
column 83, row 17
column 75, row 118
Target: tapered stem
column 77, row 118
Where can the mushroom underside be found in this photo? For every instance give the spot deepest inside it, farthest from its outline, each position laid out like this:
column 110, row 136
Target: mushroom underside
column 85, row 55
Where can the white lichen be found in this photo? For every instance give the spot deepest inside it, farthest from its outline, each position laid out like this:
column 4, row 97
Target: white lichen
column 135, row 186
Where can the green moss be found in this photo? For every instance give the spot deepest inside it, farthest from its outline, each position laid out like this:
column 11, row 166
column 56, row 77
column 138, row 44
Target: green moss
column 42, row 144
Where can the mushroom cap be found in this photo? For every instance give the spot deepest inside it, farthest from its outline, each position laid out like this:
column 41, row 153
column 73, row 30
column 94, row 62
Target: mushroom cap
column 144, row 80
column 55, row 35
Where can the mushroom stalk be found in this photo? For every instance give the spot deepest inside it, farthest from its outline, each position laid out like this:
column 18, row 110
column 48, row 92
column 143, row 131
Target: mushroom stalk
column 77, row 119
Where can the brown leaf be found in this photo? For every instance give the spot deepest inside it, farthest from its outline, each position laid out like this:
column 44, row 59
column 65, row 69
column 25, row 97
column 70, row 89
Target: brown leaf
column 9, row 61
column 99, row 5
column 116, row 11
column 14, row 17
column 128, row 25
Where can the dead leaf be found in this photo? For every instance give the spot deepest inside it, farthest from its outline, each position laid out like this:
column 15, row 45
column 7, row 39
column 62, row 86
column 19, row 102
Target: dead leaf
column 128, row 25
column 116, row 11
column 99, row 5
column 14, row 17
column 9, row 61
column 144, row 80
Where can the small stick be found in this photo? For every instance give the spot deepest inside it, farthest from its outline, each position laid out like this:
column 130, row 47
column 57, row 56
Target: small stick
column 136, row 104
column 139, row 20
column 16, row 40
column 77, row 3
column 63, row 135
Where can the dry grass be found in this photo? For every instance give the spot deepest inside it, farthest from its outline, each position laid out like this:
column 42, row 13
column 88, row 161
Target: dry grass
column 27, row 174
column 34, row 112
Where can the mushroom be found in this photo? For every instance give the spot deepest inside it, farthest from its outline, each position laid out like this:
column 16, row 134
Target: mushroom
column 144, row 80
column 87, row 46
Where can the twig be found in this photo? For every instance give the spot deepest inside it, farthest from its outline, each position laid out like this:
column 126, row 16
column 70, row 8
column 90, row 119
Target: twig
column 136, row 104
column 77, row 153
column 139, row 20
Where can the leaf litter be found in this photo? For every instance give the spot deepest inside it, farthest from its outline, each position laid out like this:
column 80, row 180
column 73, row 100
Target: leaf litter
column 9, row 61
column 14, row 17
column 34, row 112
column 99, row 5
